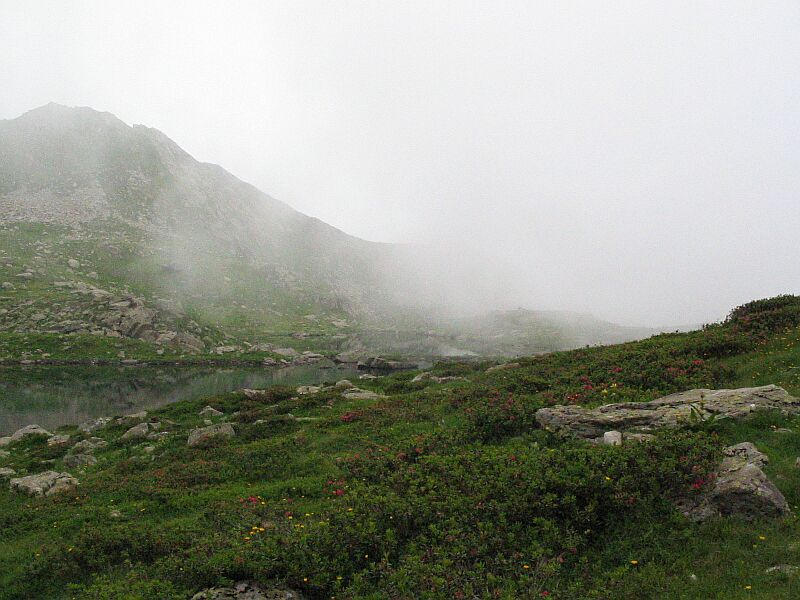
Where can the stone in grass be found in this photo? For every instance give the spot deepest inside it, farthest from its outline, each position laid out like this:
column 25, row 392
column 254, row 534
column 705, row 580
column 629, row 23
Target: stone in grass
column 612, row 438
column 73, row 461
column 784, row 569
column 205, row 435
column 29, row 431
column 210, row 411
column 140, row 431
column 246, row 590
column 58, row 440
column 7, row 473
column 94, row 424
column 740, row 489
column 44, row 484
column 89, row 445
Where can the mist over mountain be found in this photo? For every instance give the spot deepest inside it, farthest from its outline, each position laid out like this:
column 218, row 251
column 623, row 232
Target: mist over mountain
column 145, row 218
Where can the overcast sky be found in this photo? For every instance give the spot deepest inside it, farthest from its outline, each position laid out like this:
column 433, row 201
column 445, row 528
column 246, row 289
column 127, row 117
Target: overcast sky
column 638, row 160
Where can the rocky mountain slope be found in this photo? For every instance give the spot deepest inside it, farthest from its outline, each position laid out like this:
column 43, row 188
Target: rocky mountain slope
column 115, row 231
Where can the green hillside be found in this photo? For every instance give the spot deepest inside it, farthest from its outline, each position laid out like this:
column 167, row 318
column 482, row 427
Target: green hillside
column 428, row 489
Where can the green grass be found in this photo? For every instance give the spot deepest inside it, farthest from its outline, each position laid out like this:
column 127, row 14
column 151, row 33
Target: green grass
column 436, row 491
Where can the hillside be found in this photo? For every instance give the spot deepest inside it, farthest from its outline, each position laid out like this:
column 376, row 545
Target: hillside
column 442, row 484
column 115, row 232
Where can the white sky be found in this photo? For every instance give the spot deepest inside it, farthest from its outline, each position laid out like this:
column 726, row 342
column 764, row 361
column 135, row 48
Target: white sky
column 639, row 160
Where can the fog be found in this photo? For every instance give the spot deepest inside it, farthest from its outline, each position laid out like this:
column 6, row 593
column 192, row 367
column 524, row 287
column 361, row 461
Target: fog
column 636, row 160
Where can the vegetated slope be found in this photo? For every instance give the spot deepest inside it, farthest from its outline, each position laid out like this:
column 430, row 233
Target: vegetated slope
column 94, row 213
column 440, row 490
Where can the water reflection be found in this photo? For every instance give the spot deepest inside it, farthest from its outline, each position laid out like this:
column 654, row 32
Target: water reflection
column 55, row 396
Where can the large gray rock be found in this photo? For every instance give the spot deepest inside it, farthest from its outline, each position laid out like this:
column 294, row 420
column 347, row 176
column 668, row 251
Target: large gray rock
column 205, row 435
column 28, row 431
column 245, row 590
column 210, row 411
column 739, row 489
column 669, row 411
column 44, row 484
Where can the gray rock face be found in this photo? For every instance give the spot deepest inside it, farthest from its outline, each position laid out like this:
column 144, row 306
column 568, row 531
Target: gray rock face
column 73, row 461
column 740, row 489
column 44, row 484
column 245, row 590
column 665, row 412
column 29, row 431
column 205, row 435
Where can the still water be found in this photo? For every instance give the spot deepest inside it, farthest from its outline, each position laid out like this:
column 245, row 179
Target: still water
column 55, row 396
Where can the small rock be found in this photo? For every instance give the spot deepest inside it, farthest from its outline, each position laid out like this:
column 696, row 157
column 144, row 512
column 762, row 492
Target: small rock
column 503, row 367
column 355, row 393
column 73, row 461
column 7, row 473
column 140, row 431
column 4, row 454
column 149, row 449
column 44, row 484
column 58, row 440
column 94, row 424
column 132, row 418
column 245, row 590
column 115, row 514
column 210, row 411
column 344, row 384
column 5, row 441
column 73, row 264
column 28, row 431
column 89, row 445
column 308, row 389
column 785, row 569
column 204, row 435
column 612, row 438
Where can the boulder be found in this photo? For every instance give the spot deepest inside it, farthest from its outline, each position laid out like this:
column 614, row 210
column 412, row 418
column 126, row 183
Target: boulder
column 503, row 367
column 355, row 393
column 669, row 411
column 140, row 431
column 210, row 411
column 28, row 431
column 132, row 418
column 205, row 435
column 89, row 445
column 94, row 424
column 73, row 461
column 44, row 484
column 245, row 590
column 343, row 384
column 612, row 438
column 308, row 389
column 739, row 489
column 58, row 440
column 7, row 473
